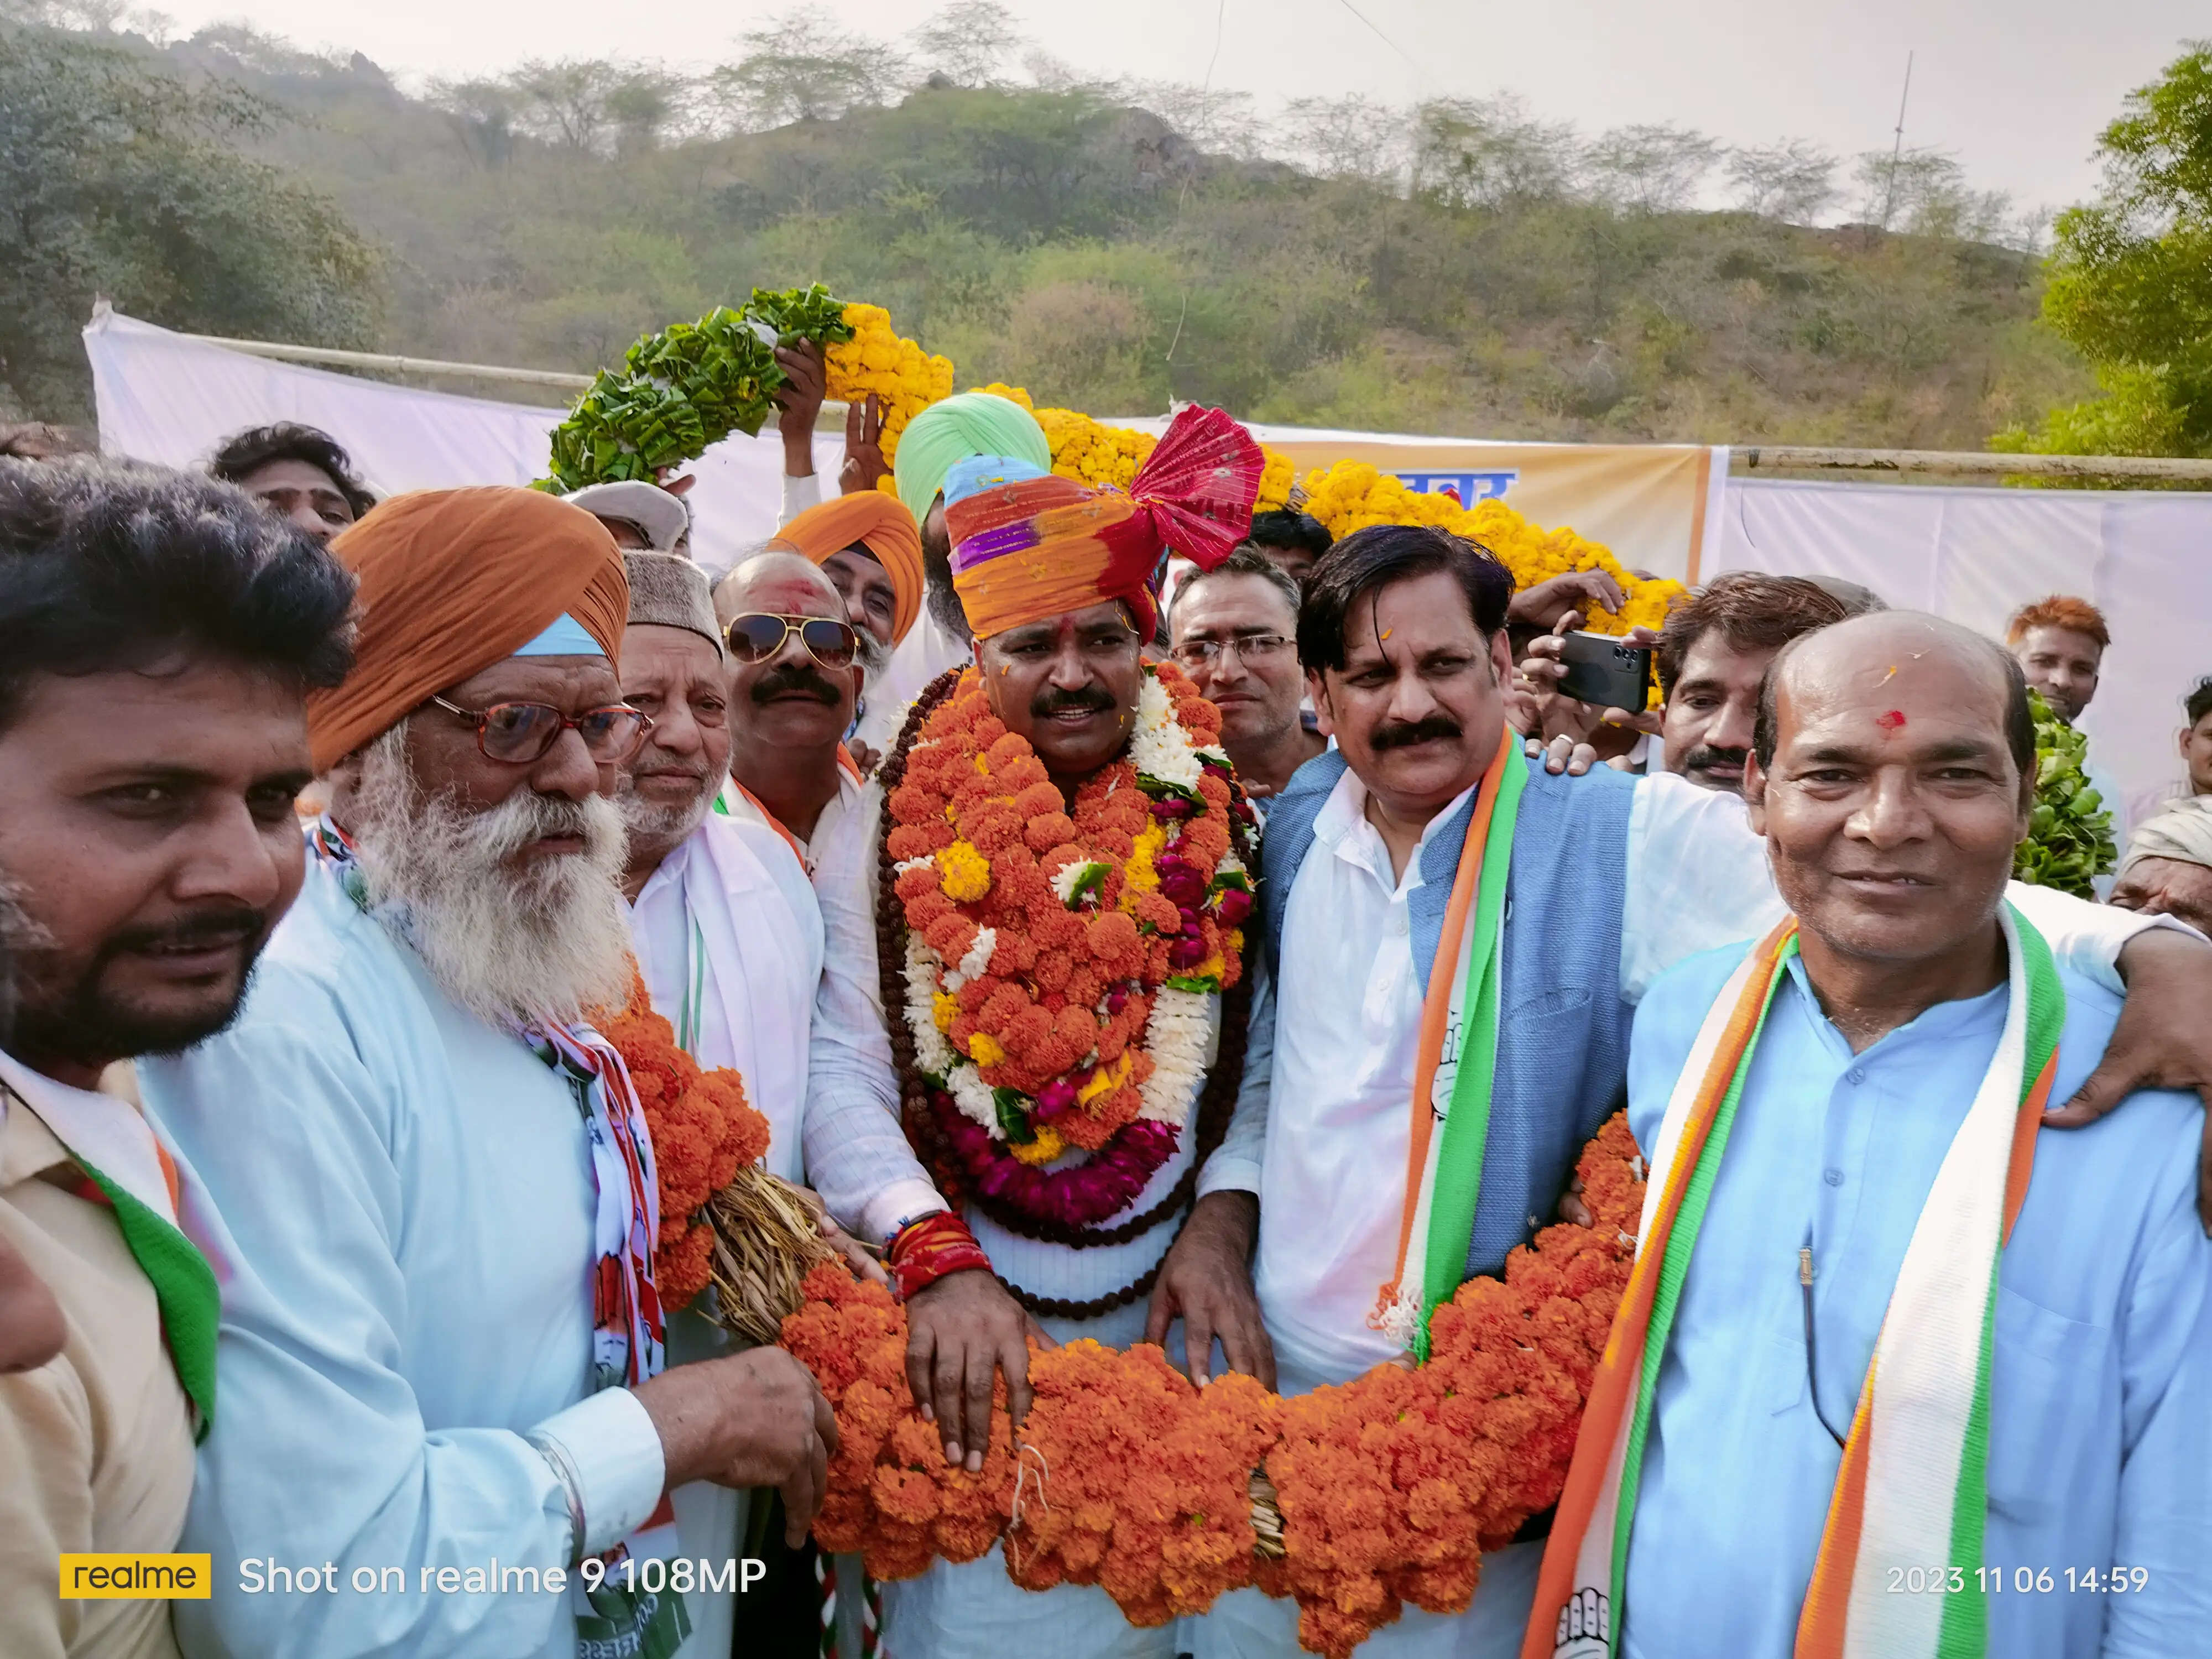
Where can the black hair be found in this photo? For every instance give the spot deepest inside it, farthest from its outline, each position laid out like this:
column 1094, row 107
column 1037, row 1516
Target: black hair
column 1245, row 561
column 2018, row 713
column 108, row 565
column 244, row 454
column 1298, row 531
column 1384, row 554
column 2199, row 701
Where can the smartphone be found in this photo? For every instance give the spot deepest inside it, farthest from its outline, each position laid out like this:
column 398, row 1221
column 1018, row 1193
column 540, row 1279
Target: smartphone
column 1601, row 670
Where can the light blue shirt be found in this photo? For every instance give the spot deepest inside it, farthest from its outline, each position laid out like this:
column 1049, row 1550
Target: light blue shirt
column 406, row 1200
column 2100, row 1451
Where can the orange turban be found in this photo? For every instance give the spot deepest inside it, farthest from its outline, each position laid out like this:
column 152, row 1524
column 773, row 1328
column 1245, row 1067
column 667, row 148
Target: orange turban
column 452, row 582
column 876, row 521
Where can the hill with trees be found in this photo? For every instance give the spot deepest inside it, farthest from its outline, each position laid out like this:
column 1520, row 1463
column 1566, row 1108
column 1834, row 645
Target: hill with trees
column 1457, row 266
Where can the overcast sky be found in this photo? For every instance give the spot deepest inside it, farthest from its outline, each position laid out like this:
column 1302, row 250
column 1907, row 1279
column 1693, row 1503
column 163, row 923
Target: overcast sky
column 2016, row 89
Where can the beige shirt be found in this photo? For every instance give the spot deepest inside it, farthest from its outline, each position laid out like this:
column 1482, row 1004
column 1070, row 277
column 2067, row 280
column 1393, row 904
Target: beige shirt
column 96, row 1445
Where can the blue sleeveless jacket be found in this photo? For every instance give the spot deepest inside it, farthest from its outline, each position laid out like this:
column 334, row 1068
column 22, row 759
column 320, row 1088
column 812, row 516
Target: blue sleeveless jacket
column 1563, row 1026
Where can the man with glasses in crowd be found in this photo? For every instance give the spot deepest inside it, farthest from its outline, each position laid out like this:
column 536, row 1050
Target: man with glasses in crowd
column 1234, row 631
column 442, row 1342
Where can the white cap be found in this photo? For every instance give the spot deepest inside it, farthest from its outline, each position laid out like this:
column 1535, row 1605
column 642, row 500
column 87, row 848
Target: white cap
column 661, row 518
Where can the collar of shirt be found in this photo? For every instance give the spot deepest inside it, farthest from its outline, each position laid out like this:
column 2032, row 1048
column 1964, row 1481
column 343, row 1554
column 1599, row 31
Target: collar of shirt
column 1342, row 827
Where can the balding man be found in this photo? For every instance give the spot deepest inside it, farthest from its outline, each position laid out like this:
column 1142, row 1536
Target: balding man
column 1896, row 1373
column 442, row 1341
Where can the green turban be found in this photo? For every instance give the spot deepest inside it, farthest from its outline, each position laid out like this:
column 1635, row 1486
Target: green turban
column 949, row 432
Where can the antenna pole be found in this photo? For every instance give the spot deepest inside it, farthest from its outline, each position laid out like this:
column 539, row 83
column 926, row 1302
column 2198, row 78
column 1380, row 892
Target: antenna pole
column 1897, row 150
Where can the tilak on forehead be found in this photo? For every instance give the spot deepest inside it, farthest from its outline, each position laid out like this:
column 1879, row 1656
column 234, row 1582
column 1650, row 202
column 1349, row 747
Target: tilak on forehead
column 1028, row 544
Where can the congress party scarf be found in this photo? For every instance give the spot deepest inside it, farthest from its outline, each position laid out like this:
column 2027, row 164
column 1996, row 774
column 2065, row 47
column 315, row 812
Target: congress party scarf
column 1911, row 1490
column 628, row 1340
column 1453, row 1066
column 127, row 1170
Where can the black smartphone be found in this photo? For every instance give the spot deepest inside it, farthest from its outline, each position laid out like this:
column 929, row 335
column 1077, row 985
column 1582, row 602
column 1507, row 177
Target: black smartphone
column 1601, row 670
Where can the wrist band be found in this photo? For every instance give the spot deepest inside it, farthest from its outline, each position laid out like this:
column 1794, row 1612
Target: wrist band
column 922, row 1252
column 557, row 1457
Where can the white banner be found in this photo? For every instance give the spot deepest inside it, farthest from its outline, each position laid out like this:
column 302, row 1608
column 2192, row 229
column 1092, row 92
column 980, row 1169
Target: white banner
column 2143, row 557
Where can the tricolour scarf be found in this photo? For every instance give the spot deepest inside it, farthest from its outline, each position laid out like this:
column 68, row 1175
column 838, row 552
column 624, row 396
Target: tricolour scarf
column 1912, row 1490
column 629, row 1336
column 1453, row 1065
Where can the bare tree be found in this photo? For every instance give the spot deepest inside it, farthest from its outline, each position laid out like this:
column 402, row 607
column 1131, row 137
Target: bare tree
column 1794, row 181
column 1651, row 168
column 482, row 114
column 1924, row 192
column 1490, row 153
column 1212, row 118
column 802, row 67
column 967, row 41
column 564, row 100
column 1347, row 137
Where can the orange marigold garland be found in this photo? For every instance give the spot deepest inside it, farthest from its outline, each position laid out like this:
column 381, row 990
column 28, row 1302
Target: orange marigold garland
column 1058, row 962
column 1382, row 1491
column 703, row 1134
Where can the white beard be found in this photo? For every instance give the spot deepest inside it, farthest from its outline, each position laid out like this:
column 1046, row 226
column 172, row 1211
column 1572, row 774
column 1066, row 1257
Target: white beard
column 549, row 942
column 651, row 825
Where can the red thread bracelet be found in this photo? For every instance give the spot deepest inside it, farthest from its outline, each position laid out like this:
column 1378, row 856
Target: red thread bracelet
column 922, row 1252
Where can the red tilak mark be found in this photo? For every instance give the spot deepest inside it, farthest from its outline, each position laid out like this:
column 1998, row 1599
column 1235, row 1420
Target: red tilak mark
column 1893, row 722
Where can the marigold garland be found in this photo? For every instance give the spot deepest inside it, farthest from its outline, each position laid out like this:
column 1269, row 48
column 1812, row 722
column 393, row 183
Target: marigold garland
column 652, row 415
column 1382, row 1491
column 704, row 1132
column 1058, row 965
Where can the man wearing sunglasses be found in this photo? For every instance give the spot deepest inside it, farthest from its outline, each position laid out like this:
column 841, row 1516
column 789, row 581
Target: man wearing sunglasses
column 442, row 1342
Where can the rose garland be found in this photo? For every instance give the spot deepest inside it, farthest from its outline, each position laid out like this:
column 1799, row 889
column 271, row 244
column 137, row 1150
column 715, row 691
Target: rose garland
column 1354, row 1500
column 1056, row 970
column 704, row 1133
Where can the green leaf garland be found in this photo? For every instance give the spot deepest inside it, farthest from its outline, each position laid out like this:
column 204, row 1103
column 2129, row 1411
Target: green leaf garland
column 689, row 386
column 2069, row 836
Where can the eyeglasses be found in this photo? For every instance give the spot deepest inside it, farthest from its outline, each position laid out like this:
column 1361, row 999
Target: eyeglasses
column 520, row 733
column 1248, row 648
column 760, row 634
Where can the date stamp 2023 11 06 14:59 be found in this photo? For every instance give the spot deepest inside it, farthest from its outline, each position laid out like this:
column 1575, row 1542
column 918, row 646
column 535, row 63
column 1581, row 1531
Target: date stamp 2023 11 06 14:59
column 2019, row 1581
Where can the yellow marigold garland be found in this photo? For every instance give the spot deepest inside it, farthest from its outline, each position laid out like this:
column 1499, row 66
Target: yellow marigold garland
column 1346, row 496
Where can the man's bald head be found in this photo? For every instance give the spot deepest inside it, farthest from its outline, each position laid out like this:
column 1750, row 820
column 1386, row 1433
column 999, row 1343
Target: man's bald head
column 1880, row 648
column 780, row 582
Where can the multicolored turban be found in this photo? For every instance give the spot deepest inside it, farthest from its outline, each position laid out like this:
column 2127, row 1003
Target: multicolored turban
column 453, row 580
column 1027, row 544
column 872, row 519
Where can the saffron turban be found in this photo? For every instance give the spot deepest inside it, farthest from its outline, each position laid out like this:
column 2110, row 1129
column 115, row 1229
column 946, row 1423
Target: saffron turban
column 873, row 521
column 452, row 582
column 2182, row 832
column 953, row 429
column 1027, row 544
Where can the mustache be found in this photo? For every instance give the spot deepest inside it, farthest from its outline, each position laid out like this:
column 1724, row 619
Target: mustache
column 1048, row 703
column 799, row 677
column 1401, row 734
column 1704, row 756
column 217, row 926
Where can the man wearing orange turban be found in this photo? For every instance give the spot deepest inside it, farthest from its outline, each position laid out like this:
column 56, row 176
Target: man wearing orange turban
column 867, row 543
column 438, row 1176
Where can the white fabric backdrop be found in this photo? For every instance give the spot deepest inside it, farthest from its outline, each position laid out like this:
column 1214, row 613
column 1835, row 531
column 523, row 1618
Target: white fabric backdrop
column 1973, row 554
column 2144, row 558
column 164, row 398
